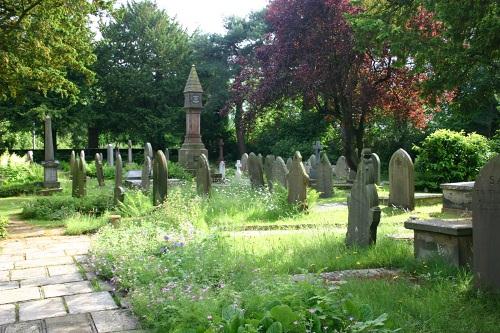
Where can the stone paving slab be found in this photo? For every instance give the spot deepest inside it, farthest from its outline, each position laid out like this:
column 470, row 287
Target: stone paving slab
column 28, row 273
column 25, row 327
column 45, row 308
column 4, row 276
column 51, row 261
column 114, row 321
column 40, row 254
column 90, row 302
column 66, row 289
column 62, row 269
column 10, row 257
column 6, row 265
column 65, row 278
column 19, row 295
column 9, row 285
column 7, row 314
column 79, row 323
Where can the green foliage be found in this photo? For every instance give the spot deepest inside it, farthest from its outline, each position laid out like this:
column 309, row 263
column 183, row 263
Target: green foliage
column 178, row 172
column 12, row 190
column 495, row 142
column 136, row 204
column 18, row 176
column 447, row 156
column 4, row 221
column 62, row 207
column 78, row 224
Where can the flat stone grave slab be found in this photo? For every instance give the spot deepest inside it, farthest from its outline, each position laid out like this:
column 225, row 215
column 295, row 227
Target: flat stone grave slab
column 457, row 197
column 450, row 239
column 343, row 185
column 136, row 183
column 420, row 199
column 133, row 175
column 7, row 314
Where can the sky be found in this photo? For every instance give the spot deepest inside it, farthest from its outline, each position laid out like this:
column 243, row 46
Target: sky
column 207, row 15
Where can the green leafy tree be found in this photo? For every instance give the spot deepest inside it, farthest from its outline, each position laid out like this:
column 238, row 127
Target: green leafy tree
column 143, row 63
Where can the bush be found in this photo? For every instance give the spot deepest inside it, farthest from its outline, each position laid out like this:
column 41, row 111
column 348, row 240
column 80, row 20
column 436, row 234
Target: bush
column 62, row 207
column 447, row 156
column 495, row 142
column 78, row 224
column 4, row 221
column 176, row 171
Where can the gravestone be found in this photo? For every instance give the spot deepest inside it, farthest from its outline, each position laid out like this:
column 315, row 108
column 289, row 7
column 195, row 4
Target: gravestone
column 324, row 182
column 237, row 173
column 146, row 173
column 297, row 180
column 308, row 167
column 244, row 163
column 82, row 175
column 486, row 226
column 221, row 150
column 222, row 169
column 341, row 168
column 401, row 181
column 99, row 169
column 280, row 171
column 317, row 152
column 363, row 205
column 110, row 154
column 203, row 178
column 50, row 165
column 119, row 190
column 311, row 165
column 148, row 150
column 167, row 154
column 376, row 168
column 73, row 167
column 160, row 178
column 255, row 171
column 29, row 157
column 268, row 170
column 129, row 152
column 289, row 162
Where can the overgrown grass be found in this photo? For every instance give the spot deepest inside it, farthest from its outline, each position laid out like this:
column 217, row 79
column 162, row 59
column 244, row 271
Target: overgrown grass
column 78, row 224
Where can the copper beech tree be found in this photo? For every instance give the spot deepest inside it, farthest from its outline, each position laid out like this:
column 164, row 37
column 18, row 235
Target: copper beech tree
column 311, row 55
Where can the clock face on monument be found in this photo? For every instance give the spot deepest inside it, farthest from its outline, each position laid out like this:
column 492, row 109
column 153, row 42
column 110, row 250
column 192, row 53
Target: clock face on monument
column 195, row 99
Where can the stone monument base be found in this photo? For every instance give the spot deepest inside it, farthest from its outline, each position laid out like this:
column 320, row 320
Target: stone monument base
column 189, row 154
column 49, row 191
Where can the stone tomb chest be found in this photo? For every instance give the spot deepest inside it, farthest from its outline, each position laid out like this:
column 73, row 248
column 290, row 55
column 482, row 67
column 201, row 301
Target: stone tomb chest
column 451, row 240
column 457, row 197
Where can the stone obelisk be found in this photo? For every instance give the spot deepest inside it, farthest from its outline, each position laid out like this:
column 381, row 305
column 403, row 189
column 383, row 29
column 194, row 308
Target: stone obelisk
column 50, row 164
column 192, row 147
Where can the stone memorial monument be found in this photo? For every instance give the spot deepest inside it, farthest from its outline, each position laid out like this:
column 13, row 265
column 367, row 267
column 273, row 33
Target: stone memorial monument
column 268, row 170
column 110, row 155
column 486, row 226
column 221, row 150
column 129, row 152
column 160, row 178
column 148, row 150
column 363, row 205
column 237, row 173
column 192, row 147
column 50, row 182
column 255, row 171
column 244, row 163
column 203, row 178
column 222, row 169
column 324, row 182
column 297, row 180
column 376, row 168
column 73, row 167
column 119, row 190
column 280, row 171
column 401, row 181
column 99, row 169
column 341, row 168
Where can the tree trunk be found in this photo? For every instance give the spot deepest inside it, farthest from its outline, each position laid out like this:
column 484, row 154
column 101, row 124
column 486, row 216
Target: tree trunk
column 240, row 129
column 349, row 140
column 93, row 137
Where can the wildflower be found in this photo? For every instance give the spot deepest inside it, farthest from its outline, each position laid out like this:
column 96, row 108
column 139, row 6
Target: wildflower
column 209, row 317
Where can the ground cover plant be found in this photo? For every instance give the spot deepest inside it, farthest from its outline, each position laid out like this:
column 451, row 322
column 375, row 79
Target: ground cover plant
column 17, row 176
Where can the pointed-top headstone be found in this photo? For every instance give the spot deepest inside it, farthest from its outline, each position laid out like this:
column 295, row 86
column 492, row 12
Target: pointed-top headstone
column 255, row 170
column 324, row 183
column 280, row 171
column 193, row 82
column 297, row 180
column 203, row 179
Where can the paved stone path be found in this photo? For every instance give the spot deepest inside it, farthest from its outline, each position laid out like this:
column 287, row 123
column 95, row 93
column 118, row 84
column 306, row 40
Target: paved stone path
column 47, row 286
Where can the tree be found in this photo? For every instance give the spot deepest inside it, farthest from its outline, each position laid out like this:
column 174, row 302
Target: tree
column 311, row 54
column 453, row 42
column 143, row 63
column 40, row 42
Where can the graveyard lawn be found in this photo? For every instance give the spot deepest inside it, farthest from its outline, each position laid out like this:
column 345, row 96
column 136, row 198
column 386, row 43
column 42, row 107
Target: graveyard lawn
column 195, row 263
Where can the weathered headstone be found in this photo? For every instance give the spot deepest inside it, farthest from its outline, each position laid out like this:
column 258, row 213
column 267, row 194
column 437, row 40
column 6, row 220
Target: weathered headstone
column 244, row 163
column 280, row 171
column 50, row 164
column 401, row 181
column 324, row 182
column 255, row 171
column 129, row 152
column 203, row 178
column 341, row 168
column 119, row 190
column 221, row 150
column 110, row 155
column 237, row 173
column 160, row 178
column 167, row 154
column 99, row 169
column 486, row 226
column 146, row 173
column 148, row 150
column 376, row 168
column 222, row 169
column 308, row 167
column 73, row 167
column 82, row 175
column 297, row 180
column 363, row 205
column 268, row 170
column 29, row 157
column 289, row 162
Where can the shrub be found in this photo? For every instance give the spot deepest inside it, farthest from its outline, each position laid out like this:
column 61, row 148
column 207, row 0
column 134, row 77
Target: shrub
column 448, row 156
column 61, row 207
column 78, row 224
column 176, row 171
column 4, row 221
column 495, row 142
column 12, row 190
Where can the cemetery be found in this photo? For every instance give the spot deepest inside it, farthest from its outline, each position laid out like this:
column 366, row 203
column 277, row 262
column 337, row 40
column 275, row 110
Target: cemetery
column 273, row 178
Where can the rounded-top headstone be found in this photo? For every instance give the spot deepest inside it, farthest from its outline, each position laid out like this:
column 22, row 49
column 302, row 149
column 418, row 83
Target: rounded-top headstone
column 401, row 180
